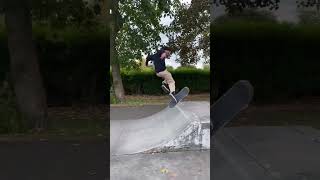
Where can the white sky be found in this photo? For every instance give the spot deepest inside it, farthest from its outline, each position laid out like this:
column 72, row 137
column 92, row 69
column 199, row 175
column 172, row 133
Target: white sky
column 164, row 39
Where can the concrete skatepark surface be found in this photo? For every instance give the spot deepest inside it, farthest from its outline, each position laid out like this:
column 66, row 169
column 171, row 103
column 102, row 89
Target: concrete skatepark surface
column 241, row 153
column 149, row 127
column 275, row 153
column 184, row 165
column 168, row 126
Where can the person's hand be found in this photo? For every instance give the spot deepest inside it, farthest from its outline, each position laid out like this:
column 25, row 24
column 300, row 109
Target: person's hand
column 168, row 54
column 163, row 56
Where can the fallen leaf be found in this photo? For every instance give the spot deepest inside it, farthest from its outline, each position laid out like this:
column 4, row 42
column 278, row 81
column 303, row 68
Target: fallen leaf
column 164, row 170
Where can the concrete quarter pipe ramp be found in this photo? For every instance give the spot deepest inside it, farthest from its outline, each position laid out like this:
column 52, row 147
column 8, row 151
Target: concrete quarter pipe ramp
column 186, row 126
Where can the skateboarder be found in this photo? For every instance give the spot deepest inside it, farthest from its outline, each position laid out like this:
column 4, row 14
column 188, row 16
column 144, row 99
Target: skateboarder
column 158, row 59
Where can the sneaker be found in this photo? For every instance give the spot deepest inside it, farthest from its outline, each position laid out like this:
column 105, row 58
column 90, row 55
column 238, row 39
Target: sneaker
column 171, row 94
column 165, row 87
column 164, row 83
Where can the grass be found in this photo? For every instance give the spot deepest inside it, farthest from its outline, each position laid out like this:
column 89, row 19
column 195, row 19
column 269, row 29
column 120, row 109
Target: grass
column 79, row 120
column 139, row 100
column 70, row 123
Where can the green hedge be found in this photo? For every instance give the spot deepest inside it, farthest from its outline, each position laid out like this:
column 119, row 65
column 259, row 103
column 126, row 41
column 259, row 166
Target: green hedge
column 281, row 60
column 11, row 120
column 146, row 82
column 73, row 63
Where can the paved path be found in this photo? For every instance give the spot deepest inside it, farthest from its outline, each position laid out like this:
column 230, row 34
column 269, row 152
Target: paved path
column 284, row 153
column 53, row 160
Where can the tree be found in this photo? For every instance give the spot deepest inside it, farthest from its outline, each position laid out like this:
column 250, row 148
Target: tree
column 309, row 3
column 141, row 28
column 248, row 15
column 25, row 72
column 64, row 13
column 311, row 17
column 1, row 6
column 310, row 11
column 115, row 23
column 104, row 10
column 24, row 66
column 189, row 32
column 234, row 6
column 135, row 28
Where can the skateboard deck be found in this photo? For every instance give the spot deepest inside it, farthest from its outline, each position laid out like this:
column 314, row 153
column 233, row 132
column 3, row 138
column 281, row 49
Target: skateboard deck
column 236, row 99
column 179, row 96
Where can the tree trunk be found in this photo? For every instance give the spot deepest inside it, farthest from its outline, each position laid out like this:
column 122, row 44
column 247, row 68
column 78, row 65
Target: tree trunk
column 117, row 81
column 24, row 67
column 104, row 5
column 115, row 65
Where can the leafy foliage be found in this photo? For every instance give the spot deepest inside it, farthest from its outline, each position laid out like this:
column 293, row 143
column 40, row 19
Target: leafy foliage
column 63, row 13
column 280, row 59
column 139, row 28
column 309, row 17
column 71, row 62
column 233, row 6
column 248, row 15
column 309, row 3
column 146, row 82
column 189, row 33
column 12, row 120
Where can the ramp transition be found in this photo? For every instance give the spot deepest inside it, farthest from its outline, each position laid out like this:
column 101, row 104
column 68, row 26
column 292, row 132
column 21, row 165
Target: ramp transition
column 186, row 126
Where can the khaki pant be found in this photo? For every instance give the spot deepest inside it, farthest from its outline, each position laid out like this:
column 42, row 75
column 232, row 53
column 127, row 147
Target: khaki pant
column 166, row 75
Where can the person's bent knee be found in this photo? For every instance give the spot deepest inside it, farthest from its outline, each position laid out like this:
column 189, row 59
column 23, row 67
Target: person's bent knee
column 159, row 75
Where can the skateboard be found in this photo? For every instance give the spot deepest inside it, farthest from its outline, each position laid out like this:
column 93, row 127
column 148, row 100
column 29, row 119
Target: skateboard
column 236, row 99
column 179, row 96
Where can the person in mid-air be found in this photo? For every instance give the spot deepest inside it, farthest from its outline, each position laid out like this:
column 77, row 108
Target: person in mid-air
column 158, row 59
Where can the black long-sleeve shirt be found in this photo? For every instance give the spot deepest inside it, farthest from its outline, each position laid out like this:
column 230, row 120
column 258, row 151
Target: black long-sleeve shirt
column 159, row 64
